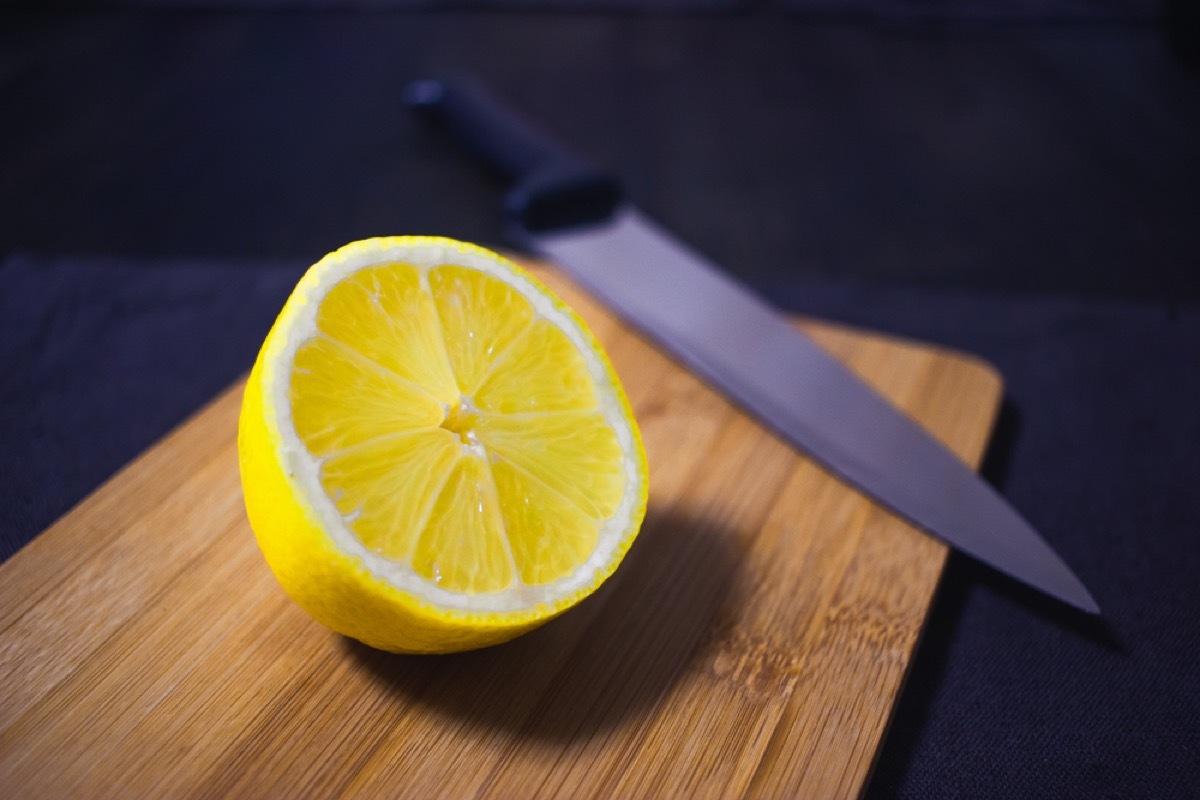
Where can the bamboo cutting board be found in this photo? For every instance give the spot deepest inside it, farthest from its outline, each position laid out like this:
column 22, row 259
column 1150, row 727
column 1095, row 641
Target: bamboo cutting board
column 753, row 643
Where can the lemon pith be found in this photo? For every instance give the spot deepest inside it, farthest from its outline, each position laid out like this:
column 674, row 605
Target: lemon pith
column 435, row 452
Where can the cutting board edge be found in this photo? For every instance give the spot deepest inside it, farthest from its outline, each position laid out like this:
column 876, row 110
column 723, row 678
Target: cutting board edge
column 987, row 371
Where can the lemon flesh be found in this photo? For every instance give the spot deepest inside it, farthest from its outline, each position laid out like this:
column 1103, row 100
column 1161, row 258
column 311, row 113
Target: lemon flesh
column 436, row 453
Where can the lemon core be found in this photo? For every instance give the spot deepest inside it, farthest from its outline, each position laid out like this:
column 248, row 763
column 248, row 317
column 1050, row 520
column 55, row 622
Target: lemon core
column 462, row 419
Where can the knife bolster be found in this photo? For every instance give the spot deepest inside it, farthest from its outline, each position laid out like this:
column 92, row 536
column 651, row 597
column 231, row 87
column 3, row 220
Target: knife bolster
column 561, row 195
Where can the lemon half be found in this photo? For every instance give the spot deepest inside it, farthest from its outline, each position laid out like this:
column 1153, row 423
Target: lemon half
column 436, row 454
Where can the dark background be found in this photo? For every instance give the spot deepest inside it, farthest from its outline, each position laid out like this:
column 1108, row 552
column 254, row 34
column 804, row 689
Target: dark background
column 1014, row 178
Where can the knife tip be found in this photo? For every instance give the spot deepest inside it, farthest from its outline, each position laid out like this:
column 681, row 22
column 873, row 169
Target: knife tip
column 1091, row 606
column 1077, row 595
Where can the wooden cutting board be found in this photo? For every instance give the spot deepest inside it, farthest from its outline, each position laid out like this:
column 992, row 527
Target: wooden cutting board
column 753, row 643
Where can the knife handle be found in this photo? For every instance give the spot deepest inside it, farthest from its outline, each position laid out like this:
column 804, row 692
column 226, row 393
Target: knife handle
column 551, row 187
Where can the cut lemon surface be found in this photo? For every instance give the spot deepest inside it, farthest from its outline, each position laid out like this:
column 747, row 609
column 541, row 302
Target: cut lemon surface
column 436, row 454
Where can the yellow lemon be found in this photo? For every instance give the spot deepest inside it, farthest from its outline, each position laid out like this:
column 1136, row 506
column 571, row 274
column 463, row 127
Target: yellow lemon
column 435, row 452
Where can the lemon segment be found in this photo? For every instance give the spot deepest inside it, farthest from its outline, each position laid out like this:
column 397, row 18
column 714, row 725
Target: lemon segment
column 464, row 548
column 549, row 535
column 480, row 317
column 384, row 315
column 339, row 398
column 380, row 484
column 542, row 370
column 577, row 454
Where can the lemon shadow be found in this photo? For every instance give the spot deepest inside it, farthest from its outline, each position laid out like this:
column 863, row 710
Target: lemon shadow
column 606, row 662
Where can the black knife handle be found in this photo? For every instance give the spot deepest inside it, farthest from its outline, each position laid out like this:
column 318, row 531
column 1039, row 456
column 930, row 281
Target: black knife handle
column 551, row 187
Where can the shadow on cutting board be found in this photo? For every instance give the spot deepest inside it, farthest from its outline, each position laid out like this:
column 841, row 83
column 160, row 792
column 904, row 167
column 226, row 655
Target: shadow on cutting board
column 605, row 662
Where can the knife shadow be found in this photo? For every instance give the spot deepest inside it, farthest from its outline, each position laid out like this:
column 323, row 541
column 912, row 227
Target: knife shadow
column 997, row 459
column 604, row 663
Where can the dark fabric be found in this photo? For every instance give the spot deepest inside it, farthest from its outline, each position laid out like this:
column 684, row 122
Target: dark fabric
column 888, row 10
column 565, row 6
column 101, row 357
column 1010, row 695
column 1055, row 158
column 982, row 10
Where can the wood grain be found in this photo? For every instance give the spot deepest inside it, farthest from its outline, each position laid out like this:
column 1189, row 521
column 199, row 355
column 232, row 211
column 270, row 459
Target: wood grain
column 753, row 643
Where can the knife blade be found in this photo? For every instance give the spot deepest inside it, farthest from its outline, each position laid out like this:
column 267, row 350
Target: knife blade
column 574, row 215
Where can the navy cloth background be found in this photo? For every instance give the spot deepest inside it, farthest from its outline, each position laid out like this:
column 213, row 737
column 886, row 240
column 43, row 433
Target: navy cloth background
column 1027, row 192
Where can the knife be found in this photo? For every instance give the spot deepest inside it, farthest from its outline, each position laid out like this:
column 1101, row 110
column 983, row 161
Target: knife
column 575, row 215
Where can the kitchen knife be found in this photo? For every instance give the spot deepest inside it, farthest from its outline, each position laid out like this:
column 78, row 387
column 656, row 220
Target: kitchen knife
column 575, row 216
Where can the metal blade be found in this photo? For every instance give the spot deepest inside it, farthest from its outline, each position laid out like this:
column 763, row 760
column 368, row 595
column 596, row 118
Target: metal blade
column 753, row 354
